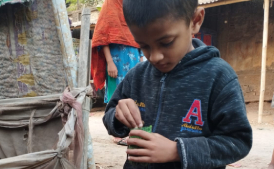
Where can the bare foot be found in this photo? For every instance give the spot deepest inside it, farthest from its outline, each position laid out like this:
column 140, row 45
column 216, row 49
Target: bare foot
column 271, row 165
column 116, row 139
column 120, row 141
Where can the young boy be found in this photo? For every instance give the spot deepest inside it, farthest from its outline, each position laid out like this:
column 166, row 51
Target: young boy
column 190, row 96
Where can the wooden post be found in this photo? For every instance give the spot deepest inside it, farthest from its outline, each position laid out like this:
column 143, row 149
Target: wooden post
column 264, row 53
column 84, row 49
column 64, row 34
column 83, row 79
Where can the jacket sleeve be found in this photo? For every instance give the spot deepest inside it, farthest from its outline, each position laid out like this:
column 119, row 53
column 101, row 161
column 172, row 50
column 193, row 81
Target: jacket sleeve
column 113, row 126
column 231, row 138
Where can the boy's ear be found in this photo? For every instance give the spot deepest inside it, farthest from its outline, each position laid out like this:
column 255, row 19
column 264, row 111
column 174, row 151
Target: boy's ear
column 197, row 20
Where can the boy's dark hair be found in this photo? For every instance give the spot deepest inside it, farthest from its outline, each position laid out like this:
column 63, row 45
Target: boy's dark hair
column 143, row 12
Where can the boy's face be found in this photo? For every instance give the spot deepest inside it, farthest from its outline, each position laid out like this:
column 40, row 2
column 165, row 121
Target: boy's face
column 166, row 41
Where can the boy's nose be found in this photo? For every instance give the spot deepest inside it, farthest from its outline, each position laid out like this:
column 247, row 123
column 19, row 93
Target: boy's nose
column 156, row 56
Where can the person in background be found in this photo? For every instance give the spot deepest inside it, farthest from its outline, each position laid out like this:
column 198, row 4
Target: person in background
column 114, row 50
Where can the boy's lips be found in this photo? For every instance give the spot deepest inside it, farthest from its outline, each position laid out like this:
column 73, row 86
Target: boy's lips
column 161, row 66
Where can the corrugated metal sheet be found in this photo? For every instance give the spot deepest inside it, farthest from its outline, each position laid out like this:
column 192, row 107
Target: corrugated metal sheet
column 201, row 2
column 213, row 3
column 207, row 2
column 92, row 22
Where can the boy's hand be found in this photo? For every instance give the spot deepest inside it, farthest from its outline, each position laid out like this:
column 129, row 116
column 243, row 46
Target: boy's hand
column 127, row 112
column 155, row 148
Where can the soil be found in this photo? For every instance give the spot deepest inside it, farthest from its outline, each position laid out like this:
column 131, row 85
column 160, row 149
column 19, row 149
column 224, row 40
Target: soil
column 108, row 155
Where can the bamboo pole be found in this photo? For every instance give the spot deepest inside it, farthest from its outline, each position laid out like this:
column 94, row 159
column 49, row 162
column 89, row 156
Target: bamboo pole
column 264, row 54
column 64, row 34
column 84, row 66
column 83, row 81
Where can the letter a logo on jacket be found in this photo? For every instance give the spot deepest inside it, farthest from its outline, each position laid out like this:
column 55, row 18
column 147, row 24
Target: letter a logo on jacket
column 195, row 111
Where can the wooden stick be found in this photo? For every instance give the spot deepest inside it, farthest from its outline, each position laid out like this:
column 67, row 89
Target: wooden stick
column 84, row 64
column 264, row 54
column 83, row 79
column 66, row 44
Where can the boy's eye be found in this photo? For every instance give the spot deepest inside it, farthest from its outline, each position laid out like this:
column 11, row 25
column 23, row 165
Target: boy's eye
column 167, row 44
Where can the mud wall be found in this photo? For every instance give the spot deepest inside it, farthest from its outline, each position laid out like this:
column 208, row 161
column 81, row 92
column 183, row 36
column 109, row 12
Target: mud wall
column 240, row 32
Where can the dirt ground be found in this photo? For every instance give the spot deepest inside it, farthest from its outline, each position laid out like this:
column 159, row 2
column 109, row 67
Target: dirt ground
column 108, row 155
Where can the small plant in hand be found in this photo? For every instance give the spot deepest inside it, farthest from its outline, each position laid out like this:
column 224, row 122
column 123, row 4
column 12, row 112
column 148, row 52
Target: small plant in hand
column 146, row 129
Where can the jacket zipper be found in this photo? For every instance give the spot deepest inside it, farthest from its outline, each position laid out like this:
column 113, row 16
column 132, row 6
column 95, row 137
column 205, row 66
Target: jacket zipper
column 160, row 102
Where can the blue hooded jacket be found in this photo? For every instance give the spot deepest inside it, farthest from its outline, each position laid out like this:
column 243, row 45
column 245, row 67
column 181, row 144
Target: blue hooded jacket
column 199, row 104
